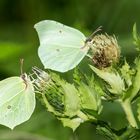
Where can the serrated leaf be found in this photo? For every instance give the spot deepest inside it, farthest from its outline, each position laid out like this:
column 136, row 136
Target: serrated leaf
column 135, row 31
column 90, row 80
column 138, row 109
column 89, row 97
column 136, row 37
column 72, row 123
column 17, row 101
column 89, row 93
column 71, row 99
column 49, row 107
column 133, row 90
column 112, row 78
column 69, row 94
column 61, row 47
column 127, row 74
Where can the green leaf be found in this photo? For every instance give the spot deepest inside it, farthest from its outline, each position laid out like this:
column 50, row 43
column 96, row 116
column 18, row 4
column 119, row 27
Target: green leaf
column 136, row 37
column 114, row 80
column 126, row 133
column 17, row 101
column 71, row 100
column 89, row 97
column 135, row 88
column 90, row 94
column 72, row 123
column 135, row 32
column 138, row 109
column 61, row 47
column 49, row 107
column 127, row 74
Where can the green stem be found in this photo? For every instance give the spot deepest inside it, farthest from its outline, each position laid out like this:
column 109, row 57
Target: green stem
column 129, row 113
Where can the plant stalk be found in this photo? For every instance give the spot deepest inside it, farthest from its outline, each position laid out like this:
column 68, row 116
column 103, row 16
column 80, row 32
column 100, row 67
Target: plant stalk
column 129, row 113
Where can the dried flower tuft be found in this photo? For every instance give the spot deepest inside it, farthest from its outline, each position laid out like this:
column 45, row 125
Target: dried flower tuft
column 105, row 50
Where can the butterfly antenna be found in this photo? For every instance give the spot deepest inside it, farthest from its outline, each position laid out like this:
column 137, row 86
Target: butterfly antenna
column 21, row 66
column 92, row 35
column 23, row 75
column 97, row 30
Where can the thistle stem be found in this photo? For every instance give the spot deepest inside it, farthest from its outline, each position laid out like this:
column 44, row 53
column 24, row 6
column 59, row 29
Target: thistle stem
column 129, row 113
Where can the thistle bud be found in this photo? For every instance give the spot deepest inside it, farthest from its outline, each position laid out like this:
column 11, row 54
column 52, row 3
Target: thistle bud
column 105, row 50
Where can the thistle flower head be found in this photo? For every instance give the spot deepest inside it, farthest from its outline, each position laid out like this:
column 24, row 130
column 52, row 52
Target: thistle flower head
column 105, row 50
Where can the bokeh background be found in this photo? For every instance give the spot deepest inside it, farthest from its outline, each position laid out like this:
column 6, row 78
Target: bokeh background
column 18, row 39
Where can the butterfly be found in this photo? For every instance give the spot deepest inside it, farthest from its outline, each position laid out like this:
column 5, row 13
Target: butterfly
column 17, row 100
column 61, row 47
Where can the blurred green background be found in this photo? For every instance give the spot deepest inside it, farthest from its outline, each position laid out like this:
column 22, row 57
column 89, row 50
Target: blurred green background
column 18, row 39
